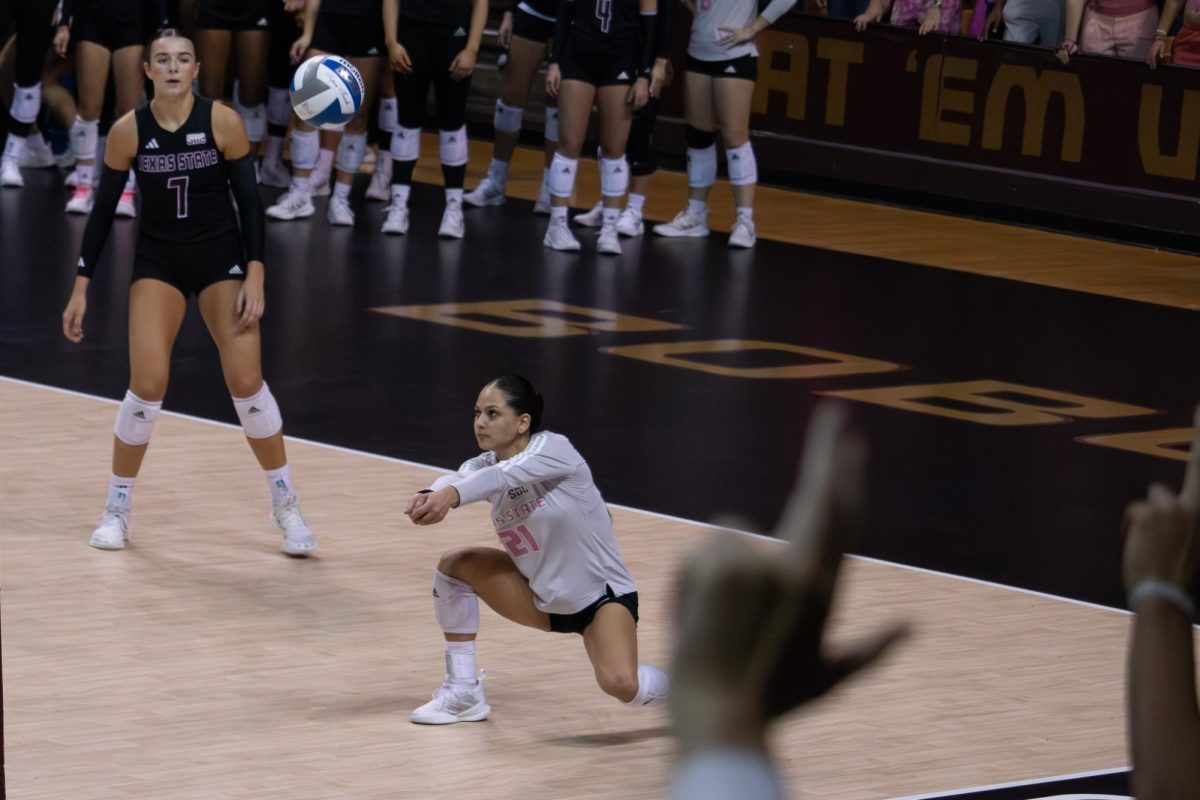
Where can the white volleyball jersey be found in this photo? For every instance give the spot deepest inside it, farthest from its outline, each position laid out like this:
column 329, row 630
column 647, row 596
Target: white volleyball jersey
column 706, row 29
column 551, row 518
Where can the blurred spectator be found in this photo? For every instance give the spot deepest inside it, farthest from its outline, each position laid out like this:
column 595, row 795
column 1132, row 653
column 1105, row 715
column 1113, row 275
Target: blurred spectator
column 1026, row 21
column 943, row 16
column 1122, row 28
column 1185, row 50
column 1162, row 556
column 751, row 623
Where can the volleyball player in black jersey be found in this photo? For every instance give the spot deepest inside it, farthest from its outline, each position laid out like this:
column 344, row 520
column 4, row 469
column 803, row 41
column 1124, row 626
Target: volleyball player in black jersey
column 352, row 29
column 31, row 18
column 603, row 53
column 189, row 153
column 431, row 41
column 524, row 32
column 110, row 37
column 222, row 25
column 639, row 149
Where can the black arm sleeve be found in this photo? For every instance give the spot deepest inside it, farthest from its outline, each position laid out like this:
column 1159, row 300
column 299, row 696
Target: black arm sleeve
column 99, row 223
column 562, row 24
column 649, row 43
column 666, row 26
column 245, row 192
column 68, row 8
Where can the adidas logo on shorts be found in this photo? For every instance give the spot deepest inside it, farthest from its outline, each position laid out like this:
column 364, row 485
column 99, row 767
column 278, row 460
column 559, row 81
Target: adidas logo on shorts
column 236, row 269
column 624, row 76
column 262, row 23
column 731, row 70
column 374, row 51
column 460, row 32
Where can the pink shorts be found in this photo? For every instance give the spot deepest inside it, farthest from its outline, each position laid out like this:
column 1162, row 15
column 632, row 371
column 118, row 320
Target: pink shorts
column 909, row 12
column 1125, row 37
column 1186, row 50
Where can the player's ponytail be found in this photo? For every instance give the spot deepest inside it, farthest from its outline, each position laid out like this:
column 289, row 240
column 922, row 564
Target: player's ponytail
column 522, row 398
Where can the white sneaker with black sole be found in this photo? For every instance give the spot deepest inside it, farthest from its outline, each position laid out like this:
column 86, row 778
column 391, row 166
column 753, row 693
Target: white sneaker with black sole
column 742, row 234
column 684, row 224
column 339, row 212
column 395, row 220
column 292, row 205
column 453, row 226
column 608, row 242
column 298, row 538
column 454, row 702
column 559, row 237
column 630, row 222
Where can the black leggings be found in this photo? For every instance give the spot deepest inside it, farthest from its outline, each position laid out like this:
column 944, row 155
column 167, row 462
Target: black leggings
column 639, row 148
column 31, row 22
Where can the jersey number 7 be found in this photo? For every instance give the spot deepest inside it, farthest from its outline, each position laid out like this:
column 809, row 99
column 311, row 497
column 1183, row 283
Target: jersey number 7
column 512, row 541
column 180, row 185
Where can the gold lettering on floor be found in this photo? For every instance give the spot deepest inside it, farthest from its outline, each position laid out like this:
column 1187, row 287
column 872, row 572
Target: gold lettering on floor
column 829, row 364
column 533, row 318
column 1173, row 443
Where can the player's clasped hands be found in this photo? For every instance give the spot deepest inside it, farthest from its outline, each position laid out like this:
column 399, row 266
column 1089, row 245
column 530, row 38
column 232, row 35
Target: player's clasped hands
column 751, row 625
column 430, row 508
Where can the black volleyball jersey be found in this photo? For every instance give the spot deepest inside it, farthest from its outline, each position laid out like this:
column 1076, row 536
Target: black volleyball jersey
column 615, row 21
column 183, row 179
column 439, row 12
column 364, row 9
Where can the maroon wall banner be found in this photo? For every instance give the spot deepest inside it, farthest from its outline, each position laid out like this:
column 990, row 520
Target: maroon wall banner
column 1102, row 138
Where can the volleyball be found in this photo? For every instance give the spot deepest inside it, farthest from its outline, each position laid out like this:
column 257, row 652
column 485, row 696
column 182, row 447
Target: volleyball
column 326, row 91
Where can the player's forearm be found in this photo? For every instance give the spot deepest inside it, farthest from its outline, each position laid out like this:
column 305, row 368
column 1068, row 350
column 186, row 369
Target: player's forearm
column 1164, row 724
column 478, row 19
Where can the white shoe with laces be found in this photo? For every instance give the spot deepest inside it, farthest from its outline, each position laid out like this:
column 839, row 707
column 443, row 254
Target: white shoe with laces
column 489, row 192
column 125, row 207
column 298, row 539
column 292, row 205
column 630, row 222
column 453, row 226
column 274, row 173
column 396, row 220
column 339, row 212
column 380, row 187
column 742, row 234
column 72, row 178
column 542, row 206
column 10, row 174
column 591, row 219
column 608, row 242
column 81, row 200
column 37, row 153
column 112, row 532
column 559, row 236
column 454, row 702
column 684, row 224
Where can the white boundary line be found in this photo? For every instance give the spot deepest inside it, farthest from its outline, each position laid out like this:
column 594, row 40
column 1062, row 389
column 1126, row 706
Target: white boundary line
column 1014, row 784
column 668, row 517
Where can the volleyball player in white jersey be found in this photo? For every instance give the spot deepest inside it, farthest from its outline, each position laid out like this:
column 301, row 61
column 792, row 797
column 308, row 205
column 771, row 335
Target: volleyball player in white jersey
column 561, row 568
column 722, row 66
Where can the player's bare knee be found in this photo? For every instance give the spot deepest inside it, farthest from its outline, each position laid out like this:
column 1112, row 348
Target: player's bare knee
column 244, row 385
column 457, row 563
column 150, row 388
column 621, row 684
column 734, row 138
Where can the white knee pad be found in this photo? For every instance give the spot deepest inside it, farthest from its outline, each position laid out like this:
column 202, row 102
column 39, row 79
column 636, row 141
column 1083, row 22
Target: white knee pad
column 84, row 135
column 743, row 169
column 507, row 119
column 259, row 414
column 135, row 420
column 455, row 604
column 350, row 152
column 614, row 176
column 389, row 112
column 306, row 147
column 452, row 147
column 561, row 179
column 702, row 166
column 279, row 108
column 254, row 118
column 26, row 102
column 551, row 123
column 406, row 144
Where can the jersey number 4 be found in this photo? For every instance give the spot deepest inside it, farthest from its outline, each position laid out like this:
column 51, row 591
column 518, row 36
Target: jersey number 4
column 512, row 539
column 180, row 185
column 604, row 13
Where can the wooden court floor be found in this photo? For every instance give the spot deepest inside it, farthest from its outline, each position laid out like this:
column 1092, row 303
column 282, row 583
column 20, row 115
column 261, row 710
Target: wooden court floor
column 201, row 663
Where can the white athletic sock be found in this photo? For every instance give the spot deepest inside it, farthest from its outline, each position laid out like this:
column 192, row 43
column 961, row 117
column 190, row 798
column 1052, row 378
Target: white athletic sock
column 120, row 494
column 454, row 196
column 400, row 194
column 301, row 184
column 746, row 213
column 635, row 202
column 283, row 493
column 558, row 212
column 85, row 173
column 342, row 190
column 131, row 181
column 324, row 162
column 498, row 170
column 460, row 661
column 609, row 215
column 698, row 208
column 14, row 147
column 274, row 148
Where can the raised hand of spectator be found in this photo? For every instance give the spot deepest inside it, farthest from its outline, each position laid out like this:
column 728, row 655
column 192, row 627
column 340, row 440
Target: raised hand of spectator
column 874, row 13
column 1155, row 52
column 929, row 20
column 751, row 621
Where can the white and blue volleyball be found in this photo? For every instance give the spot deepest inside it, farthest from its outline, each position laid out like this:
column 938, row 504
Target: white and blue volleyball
column 327, row 91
